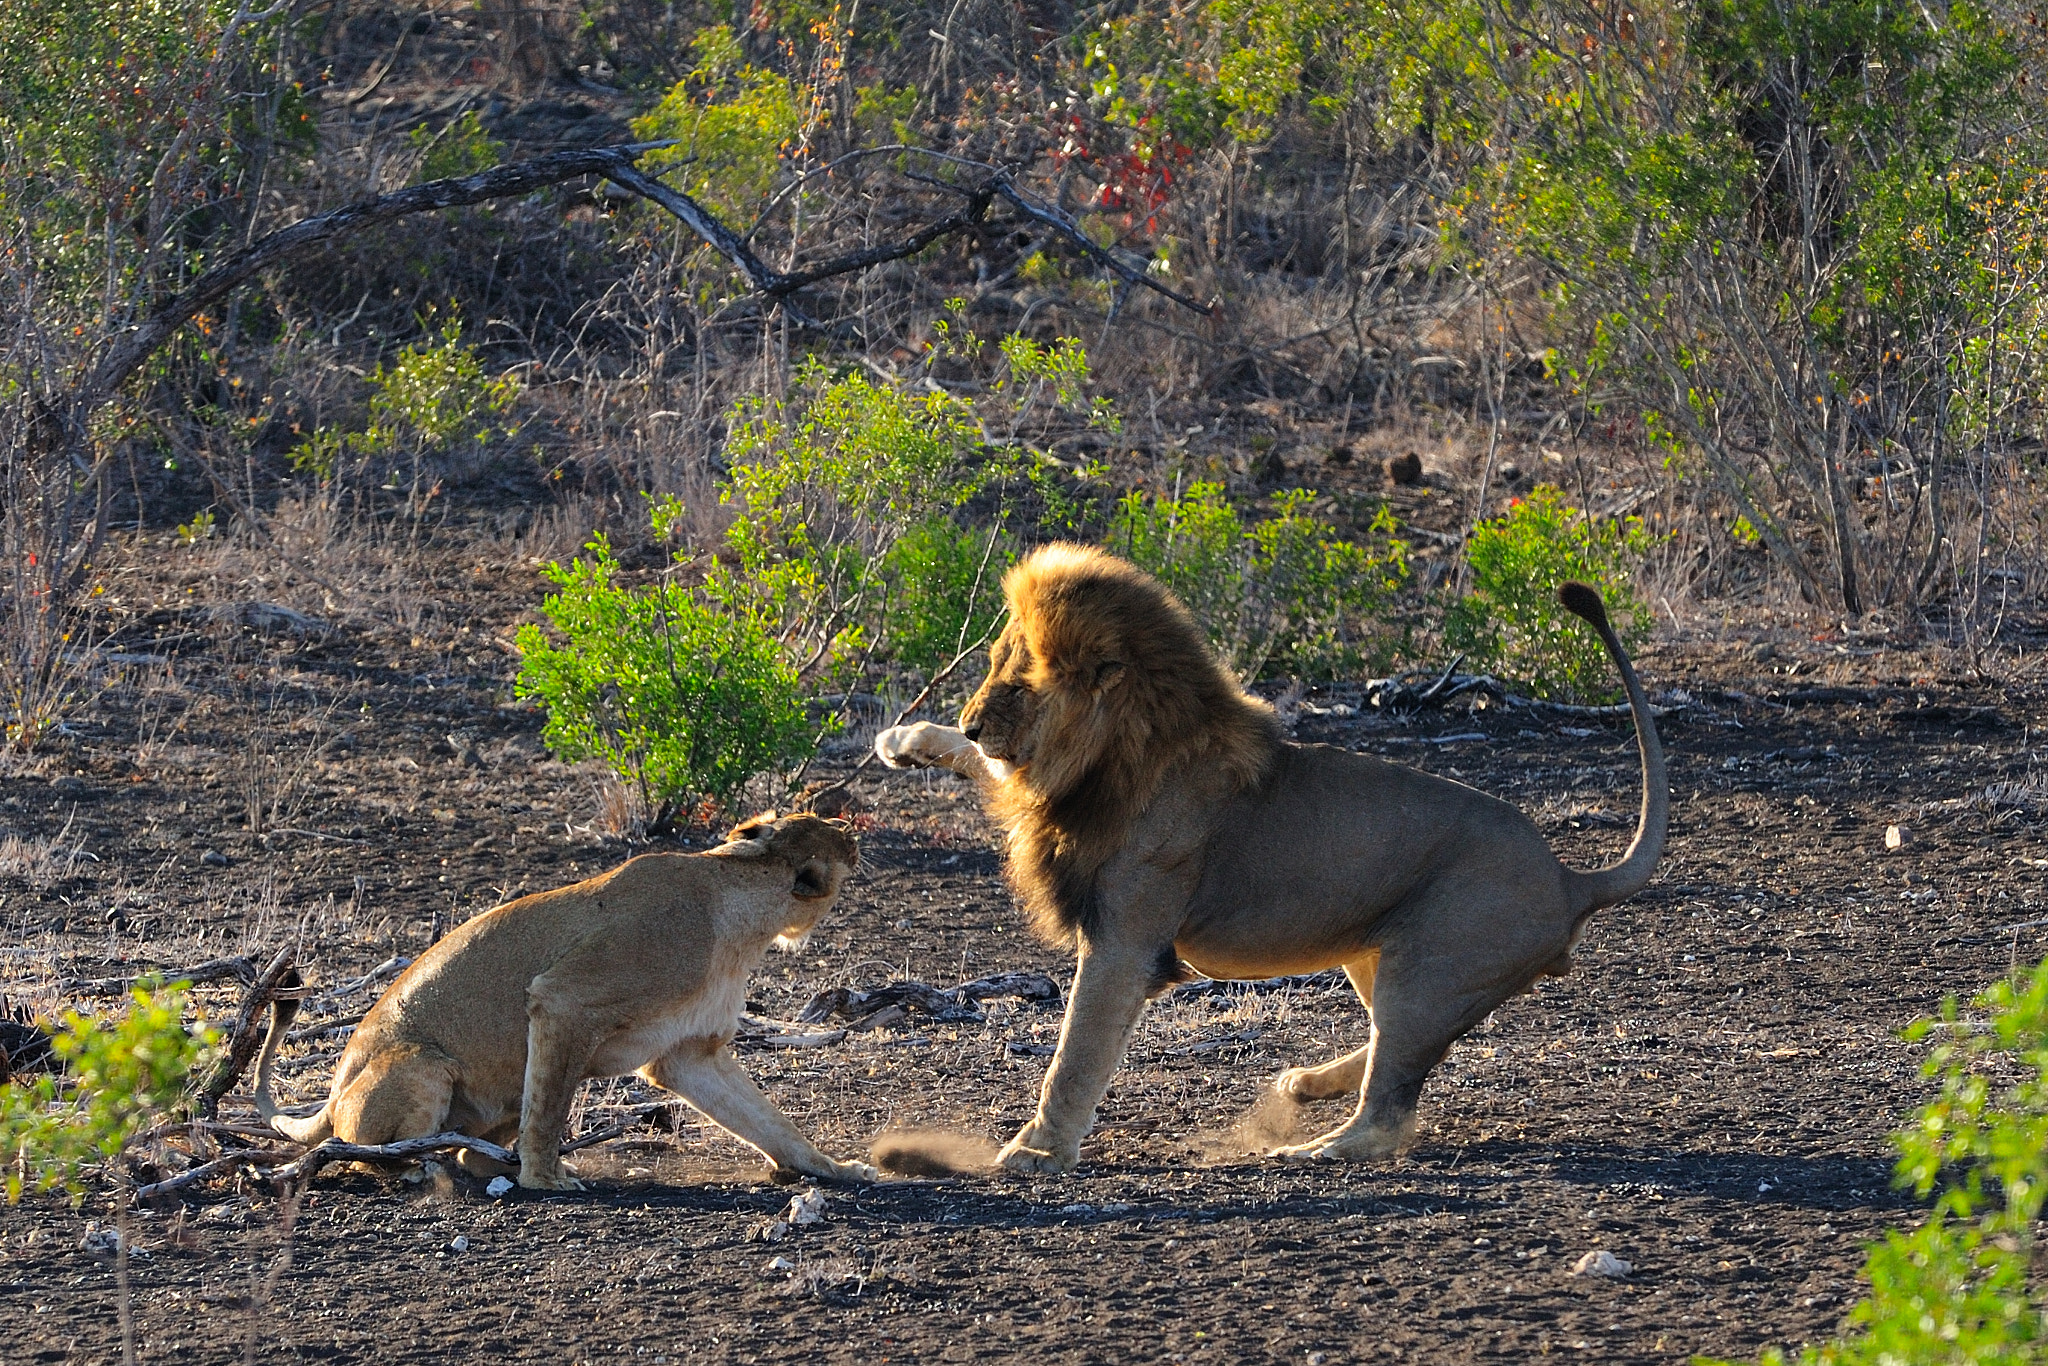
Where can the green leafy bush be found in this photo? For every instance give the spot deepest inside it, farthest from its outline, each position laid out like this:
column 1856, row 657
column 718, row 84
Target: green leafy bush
column 461, row 147
column 735, row 122
column 433, row 400
column 1510, row 621
column 945, row 590
column 121, row 1076
column 685, row 699
column 1285, row 595
column 1954, row 1292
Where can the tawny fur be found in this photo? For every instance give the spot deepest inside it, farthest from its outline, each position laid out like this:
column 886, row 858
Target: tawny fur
column 643, row 968
column 1157, row 818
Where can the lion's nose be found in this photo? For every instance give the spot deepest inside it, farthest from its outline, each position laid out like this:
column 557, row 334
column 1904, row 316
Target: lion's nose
column 972, row 731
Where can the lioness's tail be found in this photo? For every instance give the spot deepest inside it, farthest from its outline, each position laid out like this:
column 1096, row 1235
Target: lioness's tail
column 313, row 1128
column 1626, row 878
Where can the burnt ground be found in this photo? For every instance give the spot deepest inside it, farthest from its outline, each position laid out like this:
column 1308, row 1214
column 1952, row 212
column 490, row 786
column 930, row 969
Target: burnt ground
column 1707, row 1096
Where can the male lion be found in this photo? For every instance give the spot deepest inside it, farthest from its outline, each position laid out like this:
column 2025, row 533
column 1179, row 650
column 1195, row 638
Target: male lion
column 643, row 968
column 1156, row 817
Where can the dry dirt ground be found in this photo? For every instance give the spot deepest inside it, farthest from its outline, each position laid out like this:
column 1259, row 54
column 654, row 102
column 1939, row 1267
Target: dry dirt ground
column 1707, row 1096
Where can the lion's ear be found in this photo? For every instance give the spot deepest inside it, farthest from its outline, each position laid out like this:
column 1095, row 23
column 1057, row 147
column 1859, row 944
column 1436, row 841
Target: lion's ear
column 1108, row 673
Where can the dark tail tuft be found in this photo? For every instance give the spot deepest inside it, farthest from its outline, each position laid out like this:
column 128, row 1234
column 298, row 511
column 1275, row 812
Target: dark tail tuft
column 1582, row 600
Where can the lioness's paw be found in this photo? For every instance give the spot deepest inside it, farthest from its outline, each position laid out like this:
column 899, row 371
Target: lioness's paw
column 549, row 1181
column 853, row 1172
column 1036, row 1161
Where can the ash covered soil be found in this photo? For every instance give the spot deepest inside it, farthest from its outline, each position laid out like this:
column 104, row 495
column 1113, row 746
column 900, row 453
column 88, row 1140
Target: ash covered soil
column 1707, row 1096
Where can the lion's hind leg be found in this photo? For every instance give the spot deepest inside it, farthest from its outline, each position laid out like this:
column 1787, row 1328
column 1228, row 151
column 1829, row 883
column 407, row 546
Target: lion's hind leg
column 1346, row 1074
column 1414, row 1024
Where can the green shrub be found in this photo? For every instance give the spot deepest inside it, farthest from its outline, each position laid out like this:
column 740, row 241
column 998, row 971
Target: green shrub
column 460, row 148
column 945, row 590
column 433, row 400
column 1955, row 1290
column 685, row 699
column 822, row 487
column 121, row 1076
column 1286, row 595
column 1510, row 621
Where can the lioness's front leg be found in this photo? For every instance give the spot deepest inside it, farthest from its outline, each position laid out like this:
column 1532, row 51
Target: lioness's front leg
column 1110, row 986
column 702, row 1072
column 556, row 1052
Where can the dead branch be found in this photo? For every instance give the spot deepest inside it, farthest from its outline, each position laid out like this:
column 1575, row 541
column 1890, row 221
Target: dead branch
column 127, row 352
column 247, row 1030
column 217, row 970
column 961, row 1003
column 334, row 1150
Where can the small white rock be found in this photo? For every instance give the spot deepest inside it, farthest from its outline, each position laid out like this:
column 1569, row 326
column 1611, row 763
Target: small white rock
column 1897, row 837
column 807, row 1207
column 499, row 1186
column 780, row 1264
column 1603, row 1263
column 458, row 1244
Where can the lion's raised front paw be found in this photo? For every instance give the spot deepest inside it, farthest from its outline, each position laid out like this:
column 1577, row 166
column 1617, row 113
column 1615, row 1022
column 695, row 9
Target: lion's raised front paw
column 549, row 1181
column 899, row 746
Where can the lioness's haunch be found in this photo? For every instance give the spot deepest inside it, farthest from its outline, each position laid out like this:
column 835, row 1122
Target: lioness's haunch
column 1157, row 817
column 640, row 969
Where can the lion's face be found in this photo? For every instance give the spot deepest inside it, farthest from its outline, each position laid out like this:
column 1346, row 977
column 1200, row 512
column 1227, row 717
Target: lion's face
column 1047, row 718
column 1003, row 715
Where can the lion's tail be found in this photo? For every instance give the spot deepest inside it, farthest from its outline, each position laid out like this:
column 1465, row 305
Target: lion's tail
column 313, row 1128
column 1626, row 878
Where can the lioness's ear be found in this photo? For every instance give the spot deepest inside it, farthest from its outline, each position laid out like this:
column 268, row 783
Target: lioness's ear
column 1107, row 673
column 813, row 880
column 758, row 828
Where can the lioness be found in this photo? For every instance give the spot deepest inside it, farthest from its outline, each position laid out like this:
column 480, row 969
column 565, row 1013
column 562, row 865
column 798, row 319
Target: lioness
column 641, row 969
column 1157, row 817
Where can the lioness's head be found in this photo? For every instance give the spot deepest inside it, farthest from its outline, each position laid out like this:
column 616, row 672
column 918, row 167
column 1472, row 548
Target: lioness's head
column 1099, row 685
column 819, row 854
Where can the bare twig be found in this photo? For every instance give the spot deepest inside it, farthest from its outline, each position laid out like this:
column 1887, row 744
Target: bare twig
column 334, row 1150
column 247, row 1030
column 217, row 970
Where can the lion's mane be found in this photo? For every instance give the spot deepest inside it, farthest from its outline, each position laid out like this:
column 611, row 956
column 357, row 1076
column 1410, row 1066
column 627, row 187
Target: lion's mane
column 1095, row 770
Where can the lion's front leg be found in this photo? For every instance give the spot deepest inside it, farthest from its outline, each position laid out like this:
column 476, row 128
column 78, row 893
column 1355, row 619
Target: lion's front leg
column 1110, row 986
column 925, row 745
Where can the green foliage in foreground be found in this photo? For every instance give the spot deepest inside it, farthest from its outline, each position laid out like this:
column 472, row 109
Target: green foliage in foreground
column 1954, row 1291
column 121, row 1076
column 684, row 700
column 1510, row 621
column 1285, row 595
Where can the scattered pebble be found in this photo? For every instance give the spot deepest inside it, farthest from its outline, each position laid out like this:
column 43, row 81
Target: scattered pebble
column 1603, row 1263
column 458, row 1244
column 780, row 1264
column 1897, row 837
column 806, row 1207
column 500, row 1185
column 214, row 858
